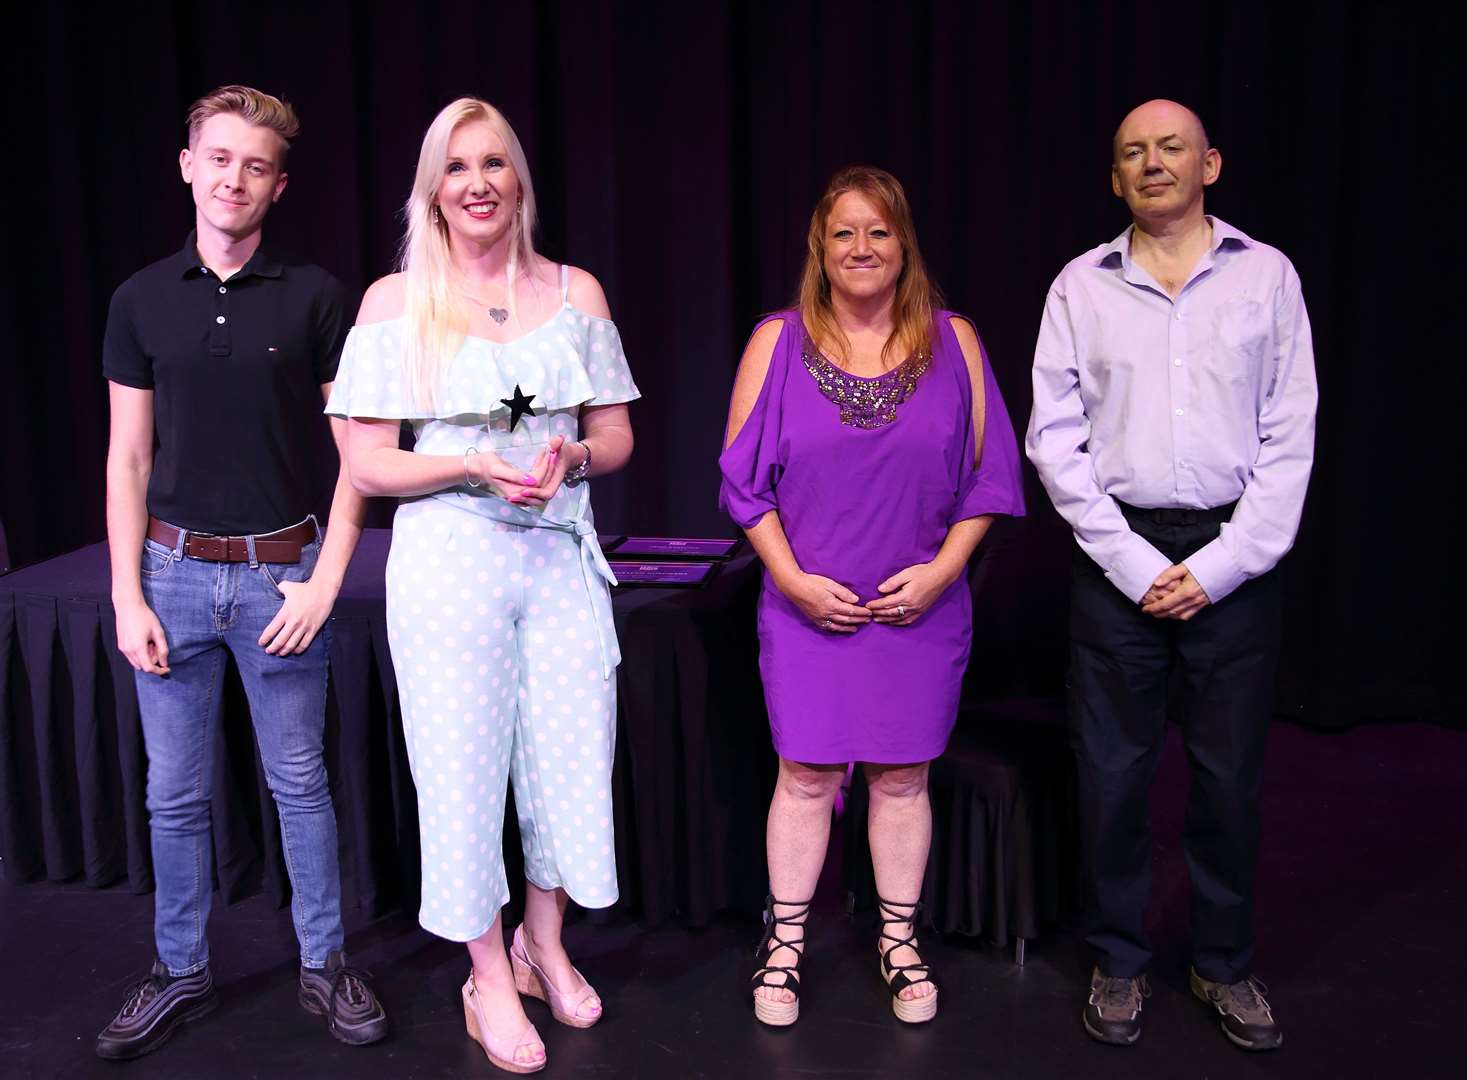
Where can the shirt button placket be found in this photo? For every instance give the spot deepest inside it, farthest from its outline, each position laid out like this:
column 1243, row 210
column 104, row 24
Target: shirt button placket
column 219, row 336
column 1177, row 347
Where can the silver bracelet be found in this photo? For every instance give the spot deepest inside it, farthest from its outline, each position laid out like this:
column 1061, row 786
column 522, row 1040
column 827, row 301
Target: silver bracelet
column 576, row 475
column 468, row 479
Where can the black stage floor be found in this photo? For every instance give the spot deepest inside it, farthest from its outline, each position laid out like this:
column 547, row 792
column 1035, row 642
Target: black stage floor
column 1361, row 903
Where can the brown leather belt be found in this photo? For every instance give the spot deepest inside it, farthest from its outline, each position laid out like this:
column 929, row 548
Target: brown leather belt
column 281, row 546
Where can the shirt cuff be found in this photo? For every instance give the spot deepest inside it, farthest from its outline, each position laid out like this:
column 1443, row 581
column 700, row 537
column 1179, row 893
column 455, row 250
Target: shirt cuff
column 1215, row 570
column 1137, row 568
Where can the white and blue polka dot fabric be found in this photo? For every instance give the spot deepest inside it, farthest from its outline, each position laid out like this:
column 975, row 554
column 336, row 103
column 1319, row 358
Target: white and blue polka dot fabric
column 499, row 620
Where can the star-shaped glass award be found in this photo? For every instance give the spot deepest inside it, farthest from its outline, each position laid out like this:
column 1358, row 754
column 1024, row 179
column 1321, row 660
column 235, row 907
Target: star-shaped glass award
column 519, row 406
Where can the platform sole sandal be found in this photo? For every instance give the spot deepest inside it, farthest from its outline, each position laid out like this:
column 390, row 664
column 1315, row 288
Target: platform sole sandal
column 530, row 979
column 499, row 1051
column 766, row 1011
column 776, row 1013
column 898, row 977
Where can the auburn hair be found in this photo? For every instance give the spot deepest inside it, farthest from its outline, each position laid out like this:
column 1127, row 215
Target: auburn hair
column 916, row 295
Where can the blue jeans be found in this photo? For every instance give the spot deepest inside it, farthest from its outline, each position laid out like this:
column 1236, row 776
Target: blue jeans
column 206, row 608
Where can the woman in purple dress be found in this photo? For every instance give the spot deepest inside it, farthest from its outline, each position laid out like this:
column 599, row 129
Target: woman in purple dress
column 866, row 454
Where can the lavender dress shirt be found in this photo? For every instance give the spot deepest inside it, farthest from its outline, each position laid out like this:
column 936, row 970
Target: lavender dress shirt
column 1188, row 403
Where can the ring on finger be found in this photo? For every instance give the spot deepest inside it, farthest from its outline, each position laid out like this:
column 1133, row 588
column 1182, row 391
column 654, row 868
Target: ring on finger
column 828, row 625
column 901, row 611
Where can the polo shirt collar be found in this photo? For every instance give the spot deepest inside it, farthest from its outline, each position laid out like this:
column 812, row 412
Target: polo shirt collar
column 261, row 264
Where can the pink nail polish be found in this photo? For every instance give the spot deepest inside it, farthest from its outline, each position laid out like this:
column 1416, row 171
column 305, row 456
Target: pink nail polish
column 529, row 479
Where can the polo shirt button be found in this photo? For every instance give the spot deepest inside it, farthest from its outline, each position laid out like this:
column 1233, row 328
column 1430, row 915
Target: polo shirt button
column 1179, row 411
column 223, row 289
column 1175, row 363
column 220, row 320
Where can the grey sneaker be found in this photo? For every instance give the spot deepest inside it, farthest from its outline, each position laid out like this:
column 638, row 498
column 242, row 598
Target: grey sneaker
column 1113, row 1013
column 1247, row 1020
column 343, row 995
column 155, row 1006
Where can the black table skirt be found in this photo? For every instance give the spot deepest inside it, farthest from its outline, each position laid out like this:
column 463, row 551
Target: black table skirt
column 693, row 772
column 692, row 778
column 1005, row 848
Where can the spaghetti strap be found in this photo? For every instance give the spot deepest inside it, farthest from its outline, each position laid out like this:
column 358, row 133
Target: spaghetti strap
column 564, row 283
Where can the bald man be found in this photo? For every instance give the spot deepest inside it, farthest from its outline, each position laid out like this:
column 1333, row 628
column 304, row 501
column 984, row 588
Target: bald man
column 1173, row 428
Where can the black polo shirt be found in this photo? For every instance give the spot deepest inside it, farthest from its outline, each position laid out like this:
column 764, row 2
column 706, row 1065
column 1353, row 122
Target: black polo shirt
column 236, row 369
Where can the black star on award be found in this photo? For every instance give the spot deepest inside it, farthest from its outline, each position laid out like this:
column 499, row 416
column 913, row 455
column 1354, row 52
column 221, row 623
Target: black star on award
column 519, row 405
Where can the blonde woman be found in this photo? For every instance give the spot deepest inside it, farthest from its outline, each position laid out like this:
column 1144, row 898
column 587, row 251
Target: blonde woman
column 499, row 614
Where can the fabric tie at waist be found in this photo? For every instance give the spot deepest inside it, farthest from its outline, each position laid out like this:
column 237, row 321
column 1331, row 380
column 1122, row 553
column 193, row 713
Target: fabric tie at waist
column 593, row 563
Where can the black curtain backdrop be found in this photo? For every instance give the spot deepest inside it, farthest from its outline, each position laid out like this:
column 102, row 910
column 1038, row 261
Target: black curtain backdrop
column 677, row 150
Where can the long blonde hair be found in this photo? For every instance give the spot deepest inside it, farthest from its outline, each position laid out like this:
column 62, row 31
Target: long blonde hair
column 435, row 327
column 916, row 295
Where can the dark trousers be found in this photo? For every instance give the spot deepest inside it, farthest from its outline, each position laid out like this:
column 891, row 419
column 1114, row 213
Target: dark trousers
column 1219, row 668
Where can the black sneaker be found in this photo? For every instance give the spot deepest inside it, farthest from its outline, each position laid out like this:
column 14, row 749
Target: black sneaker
column 343, row 995
column 154, row 1007
column 1247, row 1020
column 1113, row 1013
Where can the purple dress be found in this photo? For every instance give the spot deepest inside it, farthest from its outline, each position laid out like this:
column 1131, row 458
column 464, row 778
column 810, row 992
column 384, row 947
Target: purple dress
column 864, row 489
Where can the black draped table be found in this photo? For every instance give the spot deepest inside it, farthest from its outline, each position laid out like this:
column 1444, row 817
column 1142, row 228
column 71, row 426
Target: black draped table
column 693, row 773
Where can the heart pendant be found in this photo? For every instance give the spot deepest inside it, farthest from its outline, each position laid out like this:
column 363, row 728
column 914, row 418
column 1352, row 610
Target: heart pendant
column 498, row 314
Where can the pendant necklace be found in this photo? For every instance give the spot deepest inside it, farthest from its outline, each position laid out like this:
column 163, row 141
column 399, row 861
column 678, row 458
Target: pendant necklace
column 498, row 314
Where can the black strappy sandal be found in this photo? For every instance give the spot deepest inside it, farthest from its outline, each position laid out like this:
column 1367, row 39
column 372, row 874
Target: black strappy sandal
column 779, row 1013
column 920, row 1009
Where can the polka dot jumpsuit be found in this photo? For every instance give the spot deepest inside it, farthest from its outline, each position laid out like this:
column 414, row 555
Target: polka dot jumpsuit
column 499, row 620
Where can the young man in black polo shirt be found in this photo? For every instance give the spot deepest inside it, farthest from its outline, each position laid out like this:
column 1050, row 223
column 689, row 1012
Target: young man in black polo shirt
column 221, row 356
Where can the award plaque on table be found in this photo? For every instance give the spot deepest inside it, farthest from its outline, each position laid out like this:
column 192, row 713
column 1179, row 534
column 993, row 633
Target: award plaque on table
column 662, row 574
column 663, row 548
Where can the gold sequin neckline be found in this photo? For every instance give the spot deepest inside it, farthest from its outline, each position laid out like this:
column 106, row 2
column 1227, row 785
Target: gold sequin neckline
column 863, row 403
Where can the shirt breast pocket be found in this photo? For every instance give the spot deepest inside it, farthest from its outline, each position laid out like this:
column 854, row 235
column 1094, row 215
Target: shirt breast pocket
column 1240, row 337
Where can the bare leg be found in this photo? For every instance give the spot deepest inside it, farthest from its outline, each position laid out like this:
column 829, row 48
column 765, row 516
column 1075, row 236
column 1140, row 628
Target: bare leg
column 900, row 827
column 494, row 982
column 544, row 917
column 798, row 834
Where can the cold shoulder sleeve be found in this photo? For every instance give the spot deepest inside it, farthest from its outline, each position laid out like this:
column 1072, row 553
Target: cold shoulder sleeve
column 995, row 486
column 606, row 364
column 369, row 380
column 753, row 463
